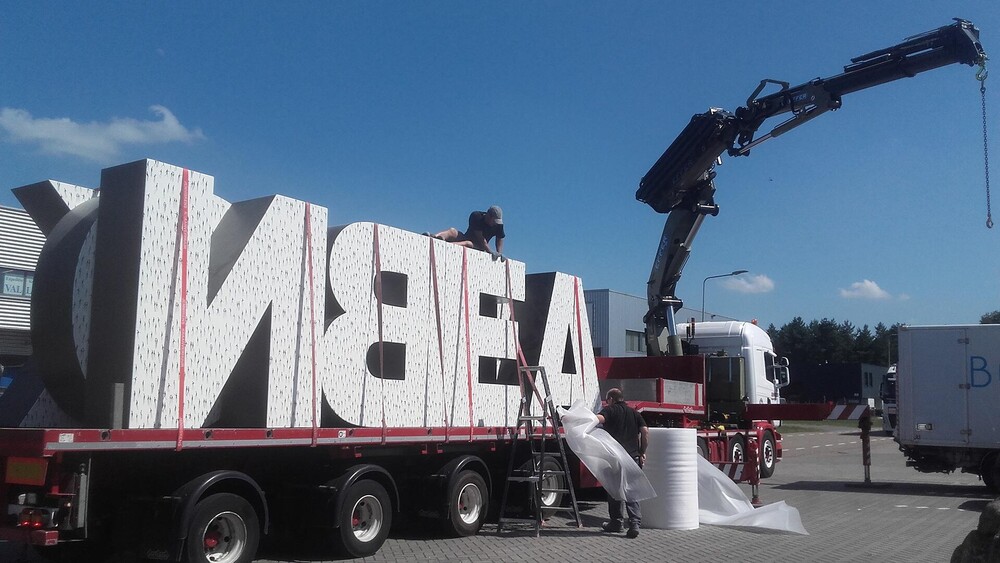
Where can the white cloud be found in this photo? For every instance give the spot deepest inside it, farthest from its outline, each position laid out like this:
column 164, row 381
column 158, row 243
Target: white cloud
column 866, row 289
column 757, row 283
column 94, row 141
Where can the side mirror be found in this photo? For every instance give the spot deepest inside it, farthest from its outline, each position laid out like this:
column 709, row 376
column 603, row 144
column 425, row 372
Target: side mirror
column 781, row 376
column 783, row 362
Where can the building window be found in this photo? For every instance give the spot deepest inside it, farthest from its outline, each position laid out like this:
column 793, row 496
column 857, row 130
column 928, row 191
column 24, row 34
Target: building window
column 635, row 341
column 16, row 282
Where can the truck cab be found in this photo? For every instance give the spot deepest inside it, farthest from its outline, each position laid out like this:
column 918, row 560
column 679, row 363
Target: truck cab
column 887, row 393
column 738, row 348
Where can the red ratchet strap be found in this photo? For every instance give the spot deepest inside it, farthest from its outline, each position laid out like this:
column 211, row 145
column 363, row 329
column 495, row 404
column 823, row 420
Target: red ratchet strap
column 312, row 321
column 381, row 350
column 437, row 317
column 182, row 240
column 579, row 331
column 468, row 343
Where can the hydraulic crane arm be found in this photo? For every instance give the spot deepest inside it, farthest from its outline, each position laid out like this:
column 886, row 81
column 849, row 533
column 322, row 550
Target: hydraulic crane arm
column 681, row 184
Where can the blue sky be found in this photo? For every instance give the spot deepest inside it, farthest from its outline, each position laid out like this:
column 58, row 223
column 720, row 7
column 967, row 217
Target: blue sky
column 412, row 114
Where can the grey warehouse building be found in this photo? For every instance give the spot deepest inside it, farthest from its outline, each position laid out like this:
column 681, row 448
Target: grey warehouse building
column 616, row 325
column 20, row 244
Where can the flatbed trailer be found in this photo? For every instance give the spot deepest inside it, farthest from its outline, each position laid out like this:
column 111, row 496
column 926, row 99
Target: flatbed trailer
column 163, row 495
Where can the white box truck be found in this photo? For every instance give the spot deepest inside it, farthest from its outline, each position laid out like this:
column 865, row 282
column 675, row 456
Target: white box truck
column 948, row 415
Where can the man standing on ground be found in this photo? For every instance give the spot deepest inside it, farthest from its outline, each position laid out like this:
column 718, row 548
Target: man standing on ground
column 626, row 426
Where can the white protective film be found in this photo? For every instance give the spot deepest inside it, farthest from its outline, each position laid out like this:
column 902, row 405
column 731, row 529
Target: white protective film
column 604, row 456
column 720, row 501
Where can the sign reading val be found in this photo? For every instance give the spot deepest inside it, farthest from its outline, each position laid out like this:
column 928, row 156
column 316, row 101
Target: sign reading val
column 158, row 302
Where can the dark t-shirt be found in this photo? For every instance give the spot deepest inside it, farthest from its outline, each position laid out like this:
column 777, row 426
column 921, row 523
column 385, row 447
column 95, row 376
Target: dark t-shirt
column 477, row 222
column 623, row 423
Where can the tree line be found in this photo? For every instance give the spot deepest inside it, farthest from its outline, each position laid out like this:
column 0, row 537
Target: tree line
column 829, row 341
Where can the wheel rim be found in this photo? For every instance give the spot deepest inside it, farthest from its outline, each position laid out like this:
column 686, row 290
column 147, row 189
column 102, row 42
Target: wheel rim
column 737, row 452
column 470, row 503
column 549, row 498
column 225, row 538
column 366, row 518
column 768, row 453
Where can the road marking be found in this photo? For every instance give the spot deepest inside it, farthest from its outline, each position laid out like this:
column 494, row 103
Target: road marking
column 927, row 507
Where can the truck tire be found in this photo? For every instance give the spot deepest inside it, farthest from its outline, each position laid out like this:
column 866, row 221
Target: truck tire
column 991, row 472
column 703, row 447
column 224, row 528
column 552, row 500
column 468, row 499
column 768, row 455
column 365, row 518
column 737, row 449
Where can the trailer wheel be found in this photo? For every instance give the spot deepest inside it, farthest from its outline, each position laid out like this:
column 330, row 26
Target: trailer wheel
column 365, row 518
column 554, row 483
column 224, row 529
column 703, row 447
column 991, row 472
column 468, row 499
column 737, row 449
column 768, row 455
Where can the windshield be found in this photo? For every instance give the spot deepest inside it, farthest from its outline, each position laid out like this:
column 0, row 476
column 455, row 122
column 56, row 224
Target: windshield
column 888, row 390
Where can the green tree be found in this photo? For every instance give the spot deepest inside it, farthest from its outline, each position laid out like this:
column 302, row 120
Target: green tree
column 829, row 341
column 992, row 318
column 864, row 345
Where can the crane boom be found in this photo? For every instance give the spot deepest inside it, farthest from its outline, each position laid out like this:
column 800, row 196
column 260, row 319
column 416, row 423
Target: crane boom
column 681, row 182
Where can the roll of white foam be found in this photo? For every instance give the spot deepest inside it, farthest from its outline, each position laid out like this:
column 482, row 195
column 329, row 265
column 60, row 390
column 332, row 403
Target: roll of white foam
column 672, row 468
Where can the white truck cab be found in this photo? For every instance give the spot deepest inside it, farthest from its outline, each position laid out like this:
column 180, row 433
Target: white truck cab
column 887, row 393
column 747, row 350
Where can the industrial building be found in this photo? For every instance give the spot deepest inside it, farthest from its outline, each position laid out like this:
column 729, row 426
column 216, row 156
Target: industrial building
column 616, row 325
column 20, row 244
column 836, row 383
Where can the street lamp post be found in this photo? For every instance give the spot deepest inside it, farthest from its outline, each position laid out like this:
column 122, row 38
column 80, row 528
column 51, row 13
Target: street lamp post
column 733, row 273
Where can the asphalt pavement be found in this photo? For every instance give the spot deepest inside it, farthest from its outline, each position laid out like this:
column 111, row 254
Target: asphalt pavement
column 902, row 515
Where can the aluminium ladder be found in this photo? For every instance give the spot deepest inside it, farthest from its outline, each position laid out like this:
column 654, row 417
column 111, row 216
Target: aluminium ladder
column 533, row 473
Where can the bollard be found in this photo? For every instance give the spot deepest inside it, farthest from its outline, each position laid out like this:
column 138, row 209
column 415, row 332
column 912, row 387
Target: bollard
column 753, row 467
column 865, row 424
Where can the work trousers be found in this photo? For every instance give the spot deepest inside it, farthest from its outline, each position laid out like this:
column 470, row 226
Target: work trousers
column 631, row 508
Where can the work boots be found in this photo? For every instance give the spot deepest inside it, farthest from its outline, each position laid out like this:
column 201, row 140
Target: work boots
column 613, row 526
column 616, row 526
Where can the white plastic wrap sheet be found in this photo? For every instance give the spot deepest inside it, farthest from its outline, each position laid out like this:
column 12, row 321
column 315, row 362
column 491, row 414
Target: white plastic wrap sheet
column 606, row 459
column 672, row 467
column 722, row 503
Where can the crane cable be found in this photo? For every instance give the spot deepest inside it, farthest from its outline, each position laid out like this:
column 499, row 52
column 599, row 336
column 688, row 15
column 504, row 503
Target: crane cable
column 981, row 77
